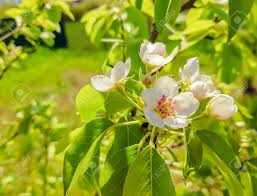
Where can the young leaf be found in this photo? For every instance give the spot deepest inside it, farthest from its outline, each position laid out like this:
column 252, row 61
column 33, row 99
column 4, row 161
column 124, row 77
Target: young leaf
column 115, row 102
column 89, row 102
column 149, row 175
column 238, row 11
column 165, row 11
column 115, row 170
column 87, row 141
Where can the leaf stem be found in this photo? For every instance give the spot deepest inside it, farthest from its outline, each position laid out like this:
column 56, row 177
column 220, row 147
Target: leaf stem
column 124, row 124
column 141, row 143
column 203, row 114
column 125, row 94
column 173, row 132
column 152, row 137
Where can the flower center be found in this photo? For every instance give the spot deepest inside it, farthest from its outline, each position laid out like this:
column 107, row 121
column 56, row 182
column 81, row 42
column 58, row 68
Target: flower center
column 165, row 107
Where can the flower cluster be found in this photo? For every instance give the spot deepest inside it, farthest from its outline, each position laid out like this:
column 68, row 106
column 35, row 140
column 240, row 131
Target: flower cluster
column 167, row 102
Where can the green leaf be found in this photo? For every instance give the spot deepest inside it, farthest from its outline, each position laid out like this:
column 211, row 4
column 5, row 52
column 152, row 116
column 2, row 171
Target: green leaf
column 149, row 175
column 231, row 180
column 124, row 137
column 194, row 152
column 115, row 102
column 238, row 11
column 115, row 171
column 220, row 147
column 89, row 102
column 165, row 11
column 230, row 64
column 116, row 159
column 139, row 4
column 248, row 183
column 65, row 8
column 81, row 146
column 224, row 158
column 134, row 87
column 139, row 21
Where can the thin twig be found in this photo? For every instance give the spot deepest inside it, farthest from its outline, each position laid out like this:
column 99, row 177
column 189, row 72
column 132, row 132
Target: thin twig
column 7, row 35
column 5, row 70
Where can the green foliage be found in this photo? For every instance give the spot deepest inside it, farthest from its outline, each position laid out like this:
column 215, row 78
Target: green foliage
column 89, row 102
column 230, row 63
column 115, row 170
column 194, row 152
column 115, row 102
column 166, row 12
column 134, row 139
column 238, row 11
column 139, row 4
column 151, row 175
column 79, row 148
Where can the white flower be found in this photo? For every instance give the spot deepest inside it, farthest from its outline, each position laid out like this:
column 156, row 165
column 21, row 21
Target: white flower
column 153, row 54
column 221, row 107
column 164, row 106
column 117, row 74
column 200, row 85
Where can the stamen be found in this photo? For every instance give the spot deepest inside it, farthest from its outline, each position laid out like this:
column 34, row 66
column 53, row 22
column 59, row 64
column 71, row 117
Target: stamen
column 165, row 107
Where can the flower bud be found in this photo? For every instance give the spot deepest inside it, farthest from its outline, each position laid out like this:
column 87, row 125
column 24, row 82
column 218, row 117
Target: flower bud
column 199, row 90
column 221, row 107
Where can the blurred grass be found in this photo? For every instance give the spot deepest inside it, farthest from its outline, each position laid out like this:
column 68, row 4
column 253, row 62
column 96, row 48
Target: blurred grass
column 53, row 72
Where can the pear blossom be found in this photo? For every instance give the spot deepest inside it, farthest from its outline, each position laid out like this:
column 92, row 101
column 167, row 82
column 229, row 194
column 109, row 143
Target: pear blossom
column 200, row 85
column 117, row 74
column 153, row 54
column 164, row 106
column 221, row 107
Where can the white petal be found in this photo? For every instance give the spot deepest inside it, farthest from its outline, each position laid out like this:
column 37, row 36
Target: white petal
column 209, row 85
column 166, row 86
column 120, row 71
column 150, row 97
column 192, row 69
column 101, row 83
column 153, row 59
column 177, row 122
column 127, row 66
column 199, row 89
column 171, row 56
column 213, row 93
column 222, row 107
column 149, row 48
column 153, row 118
column 158, row 48
column 182, row 75
column 143, row 49
column 186, row 104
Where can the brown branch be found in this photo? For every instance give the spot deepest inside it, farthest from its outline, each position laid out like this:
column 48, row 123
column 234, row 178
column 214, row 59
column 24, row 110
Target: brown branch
column 188, row 5
column 154, row 33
